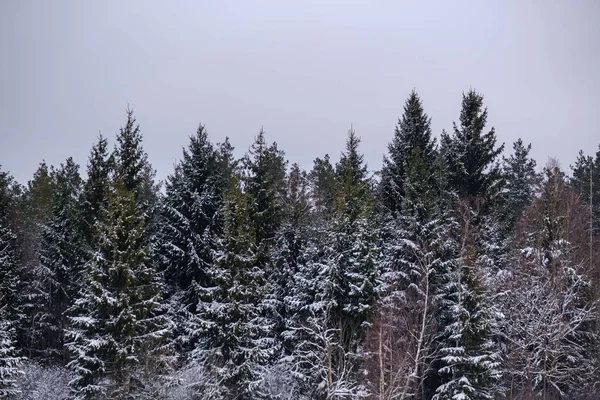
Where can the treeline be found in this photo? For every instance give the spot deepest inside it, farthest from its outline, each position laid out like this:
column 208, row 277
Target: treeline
column 453, row 273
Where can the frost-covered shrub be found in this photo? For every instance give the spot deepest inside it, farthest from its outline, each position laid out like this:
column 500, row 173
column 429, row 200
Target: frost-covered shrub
column 44, row 382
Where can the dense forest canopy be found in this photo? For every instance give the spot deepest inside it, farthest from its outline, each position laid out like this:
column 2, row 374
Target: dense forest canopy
column 461, row 270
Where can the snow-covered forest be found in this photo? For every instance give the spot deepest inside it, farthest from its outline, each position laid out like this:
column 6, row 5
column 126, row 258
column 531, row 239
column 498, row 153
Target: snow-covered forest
column 460, row 270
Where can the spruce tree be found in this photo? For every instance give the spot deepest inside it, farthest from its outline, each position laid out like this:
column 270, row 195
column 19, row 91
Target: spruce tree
column 189, row 227
column 264, row 183
column 581, row 181
column 469, row 362
column 9, row 361
column 117, row 329
column 61, row 257
column 289, row 249
column 413, row 131
column 10, row 296
column 352, row 270
column 521, row 179
column 133, row 167
column 95, row 188
column 322, row 183
column 470, row 153
column 236, row 348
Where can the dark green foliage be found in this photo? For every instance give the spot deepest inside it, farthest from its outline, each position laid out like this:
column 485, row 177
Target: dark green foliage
column 10, row 298
column 470, row 153
column 352, row 271
column 132, row 165
column 264, row 184
column 116, row 325
column 521, row 180
column 61, row 257
column 95, row 188
column 190, row 225
column 413, row 133
column 236, row 346
column 581, row 181
column 322, row 180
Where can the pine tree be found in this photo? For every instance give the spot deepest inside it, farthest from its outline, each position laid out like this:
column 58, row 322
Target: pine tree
column 60, row 259
column 470, row 153
column 413, row 131
column 117, row 328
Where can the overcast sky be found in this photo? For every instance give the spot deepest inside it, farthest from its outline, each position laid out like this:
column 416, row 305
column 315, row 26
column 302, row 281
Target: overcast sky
column 305, row 70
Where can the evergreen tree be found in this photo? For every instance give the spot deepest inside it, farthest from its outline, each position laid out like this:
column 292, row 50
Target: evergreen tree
column 581, row 181
column 264, row 186
column 521, row 179
column 34, row 209
column 264, row 183
column 412, row 278
column 9, row 362
column 60, row 259
column 469, row 360
column 95, row 188
column 10, row 296
column 413, row 131
column 236, row 348
column 190, row 226
column 352, row 270
column 133, row 167
column 288, row 254
column 322, row 181
column 470, row 153
column 117, row 328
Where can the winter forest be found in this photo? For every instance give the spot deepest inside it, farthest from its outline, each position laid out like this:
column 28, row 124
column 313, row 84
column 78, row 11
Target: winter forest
column 460, row 270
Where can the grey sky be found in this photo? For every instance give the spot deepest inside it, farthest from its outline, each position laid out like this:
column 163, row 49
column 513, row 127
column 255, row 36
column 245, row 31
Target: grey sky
column 304, row 70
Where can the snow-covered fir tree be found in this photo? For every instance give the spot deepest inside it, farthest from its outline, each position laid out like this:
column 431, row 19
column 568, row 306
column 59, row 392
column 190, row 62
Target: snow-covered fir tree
column 190, row 224
column 521, row 179
column 322, row 182
column 61, row 257
column 236, row 347
column 470, row 153
column 118, row 330
column 95, row 189
column 9, row 361
column 132, row 166
column 9, row 295
column 413, row 131
column 401, row 341
column 347, row 268
column 586, row 180
column 470, row 364
column 264, row 186
column 10, row 258
column 289, row 250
